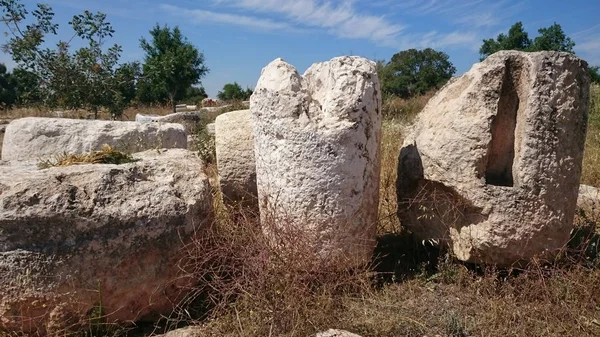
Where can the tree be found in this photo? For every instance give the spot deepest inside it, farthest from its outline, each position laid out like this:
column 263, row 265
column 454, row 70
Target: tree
column 234, row 92
column 127, row 76
column 413, row 72
column 195, row 95
column 594, row 74
column 8, row 95
column 85, row 78
column 553, row 38
column 172, row 64
column 27, row 87
column 550, row 38
column 517, row 39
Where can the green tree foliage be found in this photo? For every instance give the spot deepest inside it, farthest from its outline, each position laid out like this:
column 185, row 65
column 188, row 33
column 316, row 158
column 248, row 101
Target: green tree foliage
column 20, row 87
column 517, row 39
column 594, row 74
column 171, row 65
column 550, row 38
column 27, row 87
column 195, row 95
column 8, row 94
column 234, row 92
column 414, row 72
column 86, row 78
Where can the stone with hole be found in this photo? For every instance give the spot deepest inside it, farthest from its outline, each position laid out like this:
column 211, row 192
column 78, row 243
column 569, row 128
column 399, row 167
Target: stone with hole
column 317, row 147
column 493, row 163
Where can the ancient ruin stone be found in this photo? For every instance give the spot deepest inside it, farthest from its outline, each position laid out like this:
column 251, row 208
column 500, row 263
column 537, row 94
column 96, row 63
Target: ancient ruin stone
column 317, row 148
column 36, row 138
column 493, row 163
column 191, row 120
column 234, row 144
column 73, row 236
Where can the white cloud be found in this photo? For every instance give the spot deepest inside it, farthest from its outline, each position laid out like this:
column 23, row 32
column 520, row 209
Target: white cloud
column 471, row 20
column 589, row 50
column 587, row 44
column 438, row 40
column 339, row 18
column 203, row 16
column 478, row 20
column 427, row 7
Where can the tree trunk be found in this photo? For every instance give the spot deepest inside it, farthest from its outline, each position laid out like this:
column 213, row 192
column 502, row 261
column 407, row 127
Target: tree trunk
column 173, row 103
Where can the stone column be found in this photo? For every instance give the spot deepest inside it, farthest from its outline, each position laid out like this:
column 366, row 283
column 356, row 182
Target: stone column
column 317, row 148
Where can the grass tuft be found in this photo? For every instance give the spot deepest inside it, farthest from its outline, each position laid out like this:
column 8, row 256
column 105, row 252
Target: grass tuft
column 106, row 155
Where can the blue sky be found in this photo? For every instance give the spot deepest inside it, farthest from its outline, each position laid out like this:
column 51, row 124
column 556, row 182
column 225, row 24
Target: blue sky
column 239, row 37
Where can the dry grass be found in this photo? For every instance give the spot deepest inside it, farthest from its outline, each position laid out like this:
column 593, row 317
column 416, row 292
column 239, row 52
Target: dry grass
column 591, row 158
column 392, row 131
column 106, row 155
column 251, row 286
column 405, row 110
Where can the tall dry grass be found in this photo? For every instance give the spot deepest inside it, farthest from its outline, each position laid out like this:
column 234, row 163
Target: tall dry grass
column 591, row 158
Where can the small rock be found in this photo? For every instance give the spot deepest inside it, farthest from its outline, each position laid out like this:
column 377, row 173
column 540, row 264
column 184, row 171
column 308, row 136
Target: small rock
column 589, row 198
column 335, row 333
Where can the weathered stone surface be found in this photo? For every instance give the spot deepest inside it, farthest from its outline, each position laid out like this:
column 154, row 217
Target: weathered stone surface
column 189, row 331
column 72, row 236
column 210, row 129
column 189, row 119
column 35, row 138
column 588, row 198
column 317, row 148
column 234, row 143
column 336, row 333
column 493, row 164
